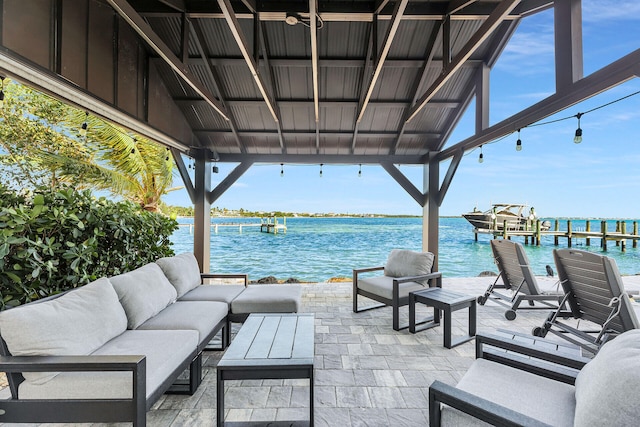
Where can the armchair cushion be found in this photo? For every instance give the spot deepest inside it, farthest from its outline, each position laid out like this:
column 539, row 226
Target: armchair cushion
column 182, row 271
column 143, row 293
column 607, row 388
column 404, row 263
column 383, row 286
column 76, row 323
column 549, row 401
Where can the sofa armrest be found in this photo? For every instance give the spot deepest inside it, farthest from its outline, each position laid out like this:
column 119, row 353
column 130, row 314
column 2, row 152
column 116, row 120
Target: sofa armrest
column 245, row 277
column 76, row 410
column 525, row 356
column 475, row 406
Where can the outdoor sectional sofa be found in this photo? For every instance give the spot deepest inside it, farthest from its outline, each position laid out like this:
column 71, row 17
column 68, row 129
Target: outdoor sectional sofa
column 105, row 352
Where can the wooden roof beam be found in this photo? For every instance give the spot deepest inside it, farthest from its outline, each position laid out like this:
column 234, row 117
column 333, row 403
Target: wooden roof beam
column 199, row 40
column 401, row 5
column 313, row 29
column 485, row 30
column 143, row 29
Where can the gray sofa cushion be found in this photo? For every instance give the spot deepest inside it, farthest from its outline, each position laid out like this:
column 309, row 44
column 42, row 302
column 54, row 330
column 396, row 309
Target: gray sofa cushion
column 182, row 271
column 549, row 401
column 404, row 263
column 200, row 316
column 76, row 323
column 383, row 286
column 164, row 351
column 607, row 388
column 268, row 299
column 222, row 293
column 143, row 293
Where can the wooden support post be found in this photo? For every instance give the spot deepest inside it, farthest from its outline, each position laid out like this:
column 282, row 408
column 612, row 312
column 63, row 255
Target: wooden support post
column 588, row 230
column 215, row 228
column 603, row 229
column 538, row 232
column 505, row 233
column 569, row 233
column 618, row 231
column 475, row 234
column 623, row 230
column 555, row 237
column 526, row 239
column 635, row 233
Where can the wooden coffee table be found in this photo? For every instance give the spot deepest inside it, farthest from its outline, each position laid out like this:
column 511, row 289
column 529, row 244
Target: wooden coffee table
column 269, row 346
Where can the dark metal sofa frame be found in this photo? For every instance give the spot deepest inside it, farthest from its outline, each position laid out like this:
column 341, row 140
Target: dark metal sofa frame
column 96, row 410
column 558, row 366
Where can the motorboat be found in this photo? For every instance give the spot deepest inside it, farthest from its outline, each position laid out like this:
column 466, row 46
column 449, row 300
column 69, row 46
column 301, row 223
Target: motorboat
column 517, row 217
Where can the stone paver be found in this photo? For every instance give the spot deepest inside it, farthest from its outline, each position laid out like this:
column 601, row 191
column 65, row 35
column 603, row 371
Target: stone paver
column 366, row 373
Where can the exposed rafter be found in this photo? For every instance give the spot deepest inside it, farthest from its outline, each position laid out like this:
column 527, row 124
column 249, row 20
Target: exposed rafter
column 386, row 45
column 364, row 78
column 418, row 82
column 143, row 29
column 314, row 159
column 234, row 26
column 199, row 40
column 485, row 30
column 303, row 62
column 300, row 103
column 184, row 174
column 313, row 29
column 404, row 182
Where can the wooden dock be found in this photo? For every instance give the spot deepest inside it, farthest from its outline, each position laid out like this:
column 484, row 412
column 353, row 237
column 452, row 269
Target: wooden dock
column 534, row 231
column 266, row 225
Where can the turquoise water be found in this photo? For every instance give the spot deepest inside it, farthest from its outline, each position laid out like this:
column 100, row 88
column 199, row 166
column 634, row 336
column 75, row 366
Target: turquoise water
column 316, row 249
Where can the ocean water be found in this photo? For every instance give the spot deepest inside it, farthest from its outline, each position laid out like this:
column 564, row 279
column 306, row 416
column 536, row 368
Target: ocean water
column 317, row 249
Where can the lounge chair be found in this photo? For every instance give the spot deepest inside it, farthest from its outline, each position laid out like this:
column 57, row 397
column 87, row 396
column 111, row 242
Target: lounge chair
column 527, row 386
column 594, row 293
column 517, row 276
column 405, row 271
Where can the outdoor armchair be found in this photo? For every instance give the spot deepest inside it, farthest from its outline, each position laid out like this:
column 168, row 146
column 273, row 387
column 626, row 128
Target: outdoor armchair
column 517, row 276
column 404, row 272
column 514, row 383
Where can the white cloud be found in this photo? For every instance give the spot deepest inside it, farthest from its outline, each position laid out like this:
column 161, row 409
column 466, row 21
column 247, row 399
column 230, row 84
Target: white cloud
column 605, row 10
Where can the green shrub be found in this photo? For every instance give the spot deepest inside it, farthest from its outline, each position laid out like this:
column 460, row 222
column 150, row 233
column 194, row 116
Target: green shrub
column 52, row 241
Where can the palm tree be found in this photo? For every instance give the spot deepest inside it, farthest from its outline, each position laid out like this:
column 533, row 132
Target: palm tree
column 130, row 166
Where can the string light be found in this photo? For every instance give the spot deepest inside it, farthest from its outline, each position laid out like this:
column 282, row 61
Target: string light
column 480, row 157
column 1, row 91
column 83, row 128
column 215, row 168
column 133, row 150
column 519, row 142
column 281, row 170
column 578, row 137
column 360, row 171
column 320, row 170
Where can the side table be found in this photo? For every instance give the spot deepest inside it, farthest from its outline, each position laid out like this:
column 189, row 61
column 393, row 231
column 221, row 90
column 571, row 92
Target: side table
column 447, row 301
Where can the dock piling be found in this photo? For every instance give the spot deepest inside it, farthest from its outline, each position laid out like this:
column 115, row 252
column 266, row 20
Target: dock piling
column 588, row 230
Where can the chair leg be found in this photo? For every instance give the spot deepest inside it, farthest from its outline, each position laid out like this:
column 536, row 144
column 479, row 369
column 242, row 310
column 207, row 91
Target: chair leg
column 396, row 317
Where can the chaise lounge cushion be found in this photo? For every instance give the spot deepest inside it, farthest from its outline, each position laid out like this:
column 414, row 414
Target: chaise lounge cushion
column 607, row 388
column 76, row 323
column 182, row 271
column 546, row 400
column 164, row 351
column 200, row 316
column 404, row 263
column 383, row 286
column 268, row 299
column 143, row 293
column 222, row 293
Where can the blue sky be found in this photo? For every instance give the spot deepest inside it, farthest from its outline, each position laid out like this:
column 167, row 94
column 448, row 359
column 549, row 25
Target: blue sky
column 598, row 178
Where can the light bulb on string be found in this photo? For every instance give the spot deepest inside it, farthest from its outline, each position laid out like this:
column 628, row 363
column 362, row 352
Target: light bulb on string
column 1, row 91
column 480, row 157
column 519, row 142
column 320, row 170
column 577, row 139
column 281, row 170
column 83, row 128
column 133, row 150
column 360, row 170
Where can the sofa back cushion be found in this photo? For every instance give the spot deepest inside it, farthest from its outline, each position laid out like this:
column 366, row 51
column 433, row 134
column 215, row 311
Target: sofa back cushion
column 404, row 263
column 143, row 293
column 76, row 323
column 182, row 271
column 607, row 388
